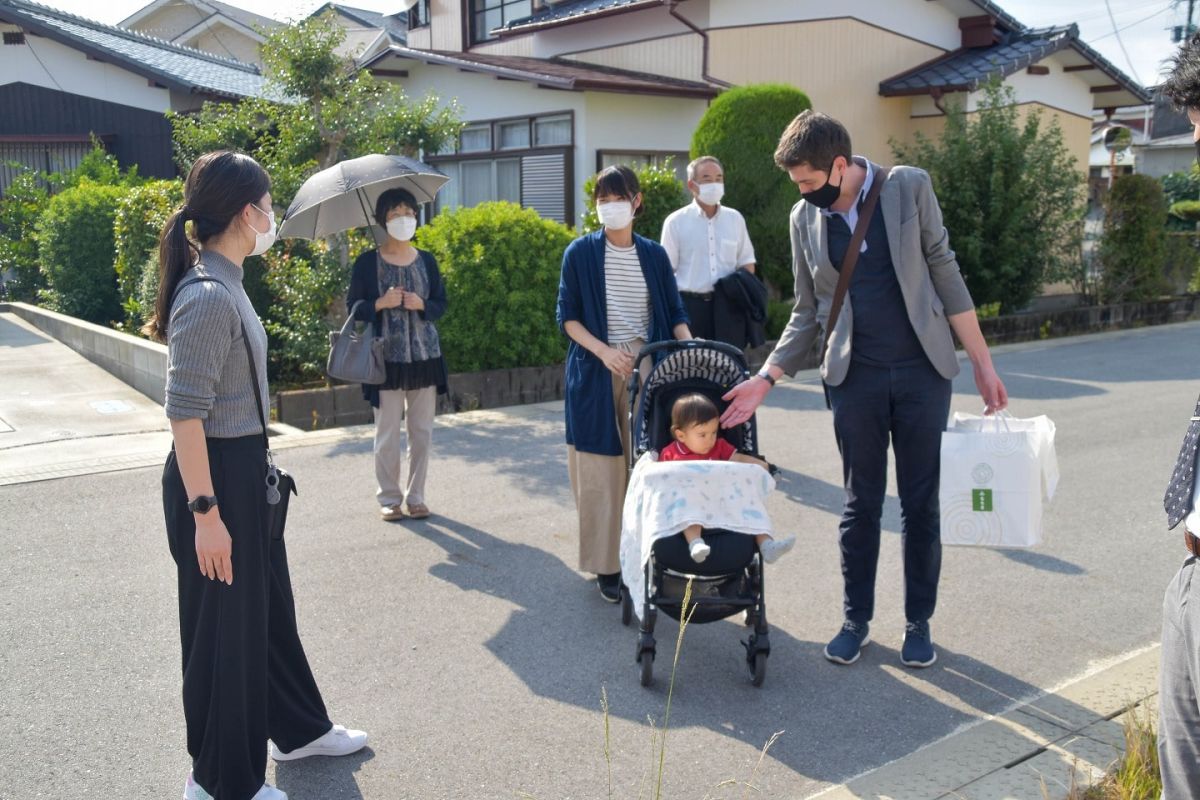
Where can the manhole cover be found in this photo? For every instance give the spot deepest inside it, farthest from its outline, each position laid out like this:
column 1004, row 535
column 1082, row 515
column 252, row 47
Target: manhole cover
column 111, row 406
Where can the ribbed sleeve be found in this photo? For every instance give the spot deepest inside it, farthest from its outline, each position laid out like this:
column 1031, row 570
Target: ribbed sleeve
column 208, row 372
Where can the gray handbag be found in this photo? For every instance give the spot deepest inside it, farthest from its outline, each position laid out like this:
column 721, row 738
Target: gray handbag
column 355, row 357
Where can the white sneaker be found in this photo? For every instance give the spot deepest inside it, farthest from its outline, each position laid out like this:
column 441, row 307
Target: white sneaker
column 773, row 549
column 193, row 791
column 337, row 742
column 699, row 550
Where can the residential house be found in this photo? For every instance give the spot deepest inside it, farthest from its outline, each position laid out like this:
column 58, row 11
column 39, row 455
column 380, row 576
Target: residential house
column 65, row 79
column 367, row 32
column 208, row 25
column 552, row 91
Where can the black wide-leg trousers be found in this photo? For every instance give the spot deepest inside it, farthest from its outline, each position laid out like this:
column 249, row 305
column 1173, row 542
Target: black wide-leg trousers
column 245, row 675
column 906, row 405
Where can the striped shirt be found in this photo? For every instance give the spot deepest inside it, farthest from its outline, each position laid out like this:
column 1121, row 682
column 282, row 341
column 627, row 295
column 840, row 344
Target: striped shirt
column 208, row 373
column 625, row 294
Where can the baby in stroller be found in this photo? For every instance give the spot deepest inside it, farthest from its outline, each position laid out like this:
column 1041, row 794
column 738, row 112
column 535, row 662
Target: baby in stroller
column 695, row 427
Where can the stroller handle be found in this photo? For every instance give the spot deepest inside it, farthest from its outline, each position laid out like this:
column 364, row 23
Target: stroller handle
column 676, row 345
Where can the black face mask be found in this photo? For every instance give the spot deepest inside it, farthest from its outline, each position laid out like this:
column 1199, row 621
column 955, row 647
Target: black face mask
column 827, row 195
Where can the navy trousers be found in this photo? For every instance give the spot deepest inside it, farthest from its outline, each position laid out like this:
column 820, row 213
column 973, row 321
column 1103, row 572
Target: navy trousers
column 245, row 675
column 906, row 406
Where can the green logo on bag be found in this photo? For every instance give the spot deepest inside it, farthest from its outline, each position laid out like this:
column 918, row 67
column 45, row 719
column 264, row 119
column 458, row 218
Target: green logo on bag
column 981, row 499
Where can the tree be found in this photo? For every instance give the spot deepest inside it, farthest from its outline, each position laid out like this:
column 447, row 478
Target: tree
column 1011, row 197
column 326, row 109
column 741, row 128
column 1133, row 247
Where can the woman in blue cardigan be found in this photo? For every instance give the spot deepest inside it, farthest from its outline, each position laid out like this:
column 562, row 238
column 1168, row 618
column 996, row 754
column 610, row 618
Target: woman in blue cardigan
column 617, row 292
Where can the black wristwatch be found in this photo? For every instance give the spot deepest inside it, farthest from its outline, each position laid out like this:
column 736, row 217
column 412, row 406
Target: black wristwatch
column 202, row 504
column 766, row 376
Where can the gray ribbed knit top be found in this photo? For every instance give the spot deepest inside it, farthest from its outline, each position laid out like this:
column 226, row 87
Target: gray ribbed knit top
column 208, row 374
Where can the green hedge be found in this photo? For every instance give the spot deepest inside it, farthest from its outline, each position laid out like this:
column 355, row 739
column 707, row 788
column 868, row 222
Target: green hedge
column 501, row 266
column 1186, row 210
column 662, row 193
column 139, row 221
column 20, row 207
column 1133, row 248
column 76, row 248
column 742, row 128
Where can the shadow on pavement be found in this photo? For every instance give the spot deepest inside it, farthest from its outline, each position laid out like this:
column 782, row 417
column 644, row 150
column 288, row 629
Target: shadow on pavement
column 564, row 643
column 13, row 335
column 1043, row 562
column 321, row 778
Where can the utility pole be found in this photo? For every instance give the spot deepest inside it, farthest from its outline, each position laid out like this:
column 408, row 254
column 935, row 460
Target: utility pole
column 1182, row 32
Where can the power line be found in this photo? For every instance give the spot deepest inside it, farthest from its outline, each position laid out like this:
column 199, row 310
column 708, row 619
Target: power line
column 1117, row 33
column 1131, row 24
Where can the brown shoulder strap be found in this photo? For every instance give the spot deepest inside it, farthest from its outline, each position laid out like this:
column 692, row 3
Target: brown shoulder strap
column 846, row 271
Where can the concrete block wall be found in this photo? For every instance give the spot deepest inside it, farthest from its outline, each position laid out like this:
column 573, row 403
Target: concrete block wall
column 138, row 362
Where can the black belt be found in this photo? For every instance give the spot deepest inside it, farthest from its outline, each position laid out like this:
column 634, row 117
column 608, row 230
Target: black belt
column 1191, row 542
column 705, row 296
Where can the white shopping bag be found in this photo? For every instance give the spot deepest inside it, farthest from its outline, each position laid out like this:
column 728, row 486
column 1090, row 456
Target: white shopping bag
column 995, row 473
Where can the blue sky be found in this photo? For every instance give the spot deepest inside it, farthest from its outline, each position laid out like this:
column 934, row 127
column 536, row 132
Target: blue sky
column 1143, row 24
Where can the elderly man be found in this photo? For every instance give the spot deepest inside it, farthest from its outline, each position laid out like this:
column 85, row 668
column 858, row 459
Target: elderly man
column 707, row 242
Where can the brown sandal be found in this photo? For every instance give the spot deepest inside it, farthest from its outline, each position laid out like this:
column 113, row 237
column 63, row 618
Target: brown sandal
column 418, row 511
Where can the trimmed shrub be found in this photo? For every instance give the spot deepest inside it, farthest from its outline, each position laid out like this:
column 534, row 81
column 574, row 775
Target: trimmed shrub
column 742, row 128
column 1180, row 261
column 140, row 217
column 147, row 291
column 1186, row 211
column 662, row 193
column 303, row 279
column 501, row 265
column 75, row 244
column 1133, row 247
column 20, row 207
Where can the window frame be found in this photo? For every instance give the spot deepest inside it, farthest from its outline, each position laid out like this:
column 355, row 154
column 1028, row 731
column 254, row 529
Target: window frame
column 471, row 36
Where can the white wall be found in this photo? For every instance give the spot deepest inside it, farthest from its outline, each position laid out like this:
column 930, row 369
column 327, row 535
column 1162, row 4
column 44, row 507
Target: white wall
column 70, row 71
column 928, row 22
column 634, row 26
column 1065, row 91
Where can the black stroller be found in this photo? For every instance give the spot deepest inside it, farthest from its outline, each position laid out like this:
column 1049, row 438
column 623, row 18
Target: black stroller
column 730, row 580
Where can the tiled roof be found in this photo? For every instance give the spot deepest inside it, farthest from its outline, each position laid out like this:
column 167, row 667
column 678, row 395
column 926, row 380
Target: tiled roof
column 396, row 25
column 247, row 18
column 969, row 68
column 171, row 64
column 555, row 73
column 569, row 10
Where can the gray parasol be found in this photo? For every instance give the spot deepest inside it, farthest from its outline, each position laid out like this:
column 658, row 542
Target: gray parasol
column 343, row 196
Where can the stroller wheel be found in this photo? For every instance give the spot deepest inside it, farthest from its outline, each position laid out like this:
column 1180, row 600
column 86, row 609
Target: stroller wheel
column 647, row 659
column 626, row 606
column 758, row 668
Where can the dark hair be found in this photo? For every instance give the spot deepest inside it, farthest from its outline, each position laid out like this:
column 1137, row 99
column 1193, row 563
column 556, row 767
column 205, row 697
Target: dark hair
column 389, row 200
column 692, row 409
column 619, row 181
column 218, row 187
column 1182, row 86
column 814, row 139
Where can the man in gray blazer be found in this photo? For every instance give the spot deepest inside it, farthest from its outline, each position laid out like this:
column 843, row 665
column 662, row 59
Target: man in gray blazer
column 889, row 364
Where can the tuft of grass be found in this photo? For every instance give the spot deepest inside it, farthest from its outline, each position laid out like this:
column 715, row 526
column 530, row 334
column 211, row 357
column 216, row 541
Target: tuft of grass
column 684, row 619
column 1135, row 776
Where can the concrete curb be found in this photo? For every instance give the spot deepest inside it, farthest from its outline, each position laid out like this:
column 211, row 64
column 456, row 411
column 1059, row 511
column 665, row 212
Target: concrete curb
column 1038, row 749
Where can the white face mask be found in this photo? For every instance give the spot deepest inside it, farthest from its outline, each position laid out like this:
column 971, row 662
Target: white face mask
column 263, row 241
column 615, row 216
column 402, row 228
column 711, row 193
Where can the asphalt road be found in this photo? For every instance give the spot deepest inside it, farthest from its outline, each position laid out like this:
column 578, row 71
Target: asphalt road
column 475, row 655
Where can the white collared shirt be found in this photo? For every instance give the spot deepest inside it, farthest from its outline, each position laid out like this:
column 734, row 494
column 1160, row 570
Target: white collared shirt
column 851, row 216
column 704, row 249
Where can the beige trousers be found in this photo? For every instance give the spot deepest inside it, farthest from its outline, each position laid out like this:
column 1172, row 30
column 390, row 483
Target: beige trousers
column 414, row 411
column 598, row 483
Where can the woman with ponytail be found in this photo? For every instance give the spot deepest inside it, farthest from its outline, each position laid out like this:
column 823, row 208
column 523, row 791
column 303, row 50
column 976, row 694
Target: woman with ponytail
column 245, row 676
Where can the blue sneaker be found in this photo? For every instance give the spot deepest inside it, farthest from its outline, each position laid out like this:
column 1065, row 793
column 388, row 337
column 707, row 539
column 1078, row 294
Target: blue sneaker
column 918, row 646
column 847, row 646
